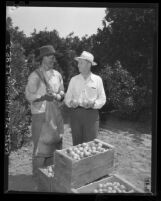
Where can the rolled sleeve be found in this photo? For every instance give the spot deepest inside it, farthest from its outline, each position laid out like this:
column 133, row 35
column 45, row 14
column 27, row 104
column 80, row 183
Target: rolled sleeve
column 32, row 87
column 69, row 93
column 101, row 99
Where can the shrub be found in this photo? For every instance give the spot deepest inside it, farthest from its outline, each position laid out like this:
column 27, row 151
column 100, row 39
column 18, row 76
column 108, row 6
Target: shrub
column 18, row 109
column 120, row 88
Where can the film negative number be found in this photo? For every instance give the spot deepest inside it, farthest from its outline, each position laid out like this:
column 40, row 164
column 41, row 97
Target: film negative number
column 147, row 185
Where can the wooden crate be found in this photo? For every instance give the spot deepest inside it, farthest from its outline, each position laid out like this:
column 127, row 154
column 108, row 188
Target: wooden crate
column 112, row 178
column 59, row 187
column 44, row 181
column 73, row 174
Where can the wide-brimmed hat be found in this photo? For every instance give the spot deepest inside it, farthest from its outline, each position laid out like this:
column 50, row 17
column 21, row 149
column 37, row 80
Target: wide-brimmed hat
column 45, row 50
column 87, row 56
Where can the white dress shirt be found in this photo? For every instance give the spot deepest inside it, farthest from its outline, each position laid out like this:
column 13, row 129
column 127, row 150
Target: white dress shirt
column 80, row 89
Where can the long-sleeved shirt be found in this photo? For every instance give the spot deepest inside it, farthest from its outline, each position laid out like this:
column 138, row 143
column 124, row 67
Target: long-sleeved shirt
column 36, row 88
column 91, row 89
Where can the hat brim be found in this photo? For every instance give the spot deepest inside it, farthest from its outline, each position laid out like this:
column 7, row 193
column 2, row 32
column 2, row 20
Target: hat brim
column 92, row 62
column 41, row 56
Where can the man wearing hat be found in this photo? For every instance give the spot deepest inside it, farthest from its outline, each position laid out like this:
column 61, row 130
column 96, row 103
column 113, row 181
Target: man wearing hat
column 44, row 91
column 85, row 95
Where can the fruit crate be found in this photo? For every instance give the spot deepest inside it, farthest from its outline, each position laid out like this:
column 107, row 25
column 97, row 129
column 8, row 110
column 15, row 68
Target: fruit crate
column 45, row 178
column 95, row 187
column 72, row 173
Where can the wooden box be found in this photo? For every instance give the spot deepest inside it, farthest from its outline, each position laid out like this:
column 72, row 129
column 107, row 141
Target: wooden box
column 58, row 187
column 113, row 178
column 45, row 180
column 71, row 173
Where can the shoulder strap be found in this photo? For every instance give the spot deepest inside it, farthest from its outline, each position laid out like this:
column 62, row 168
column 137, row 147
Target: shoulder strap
column 42, row 77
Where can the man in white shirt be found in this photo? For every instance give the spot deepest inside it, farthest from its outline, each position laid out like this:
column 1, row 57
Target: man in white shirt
column 45, row 88
column 85, row 95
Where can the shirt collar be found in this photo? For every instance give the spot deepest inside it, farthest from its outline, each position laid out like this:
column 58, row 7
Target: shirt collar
column 91, row 77
column 50, row 72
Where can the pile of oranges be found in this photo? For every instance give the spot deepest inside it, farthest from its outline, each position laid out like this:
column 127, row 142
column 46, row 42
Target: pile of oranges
column 112, row 187
column 85, row 150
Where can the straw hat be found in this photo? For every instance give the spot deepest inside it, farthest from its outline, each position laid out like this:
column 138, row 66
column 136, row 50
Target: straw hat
column 87, row 56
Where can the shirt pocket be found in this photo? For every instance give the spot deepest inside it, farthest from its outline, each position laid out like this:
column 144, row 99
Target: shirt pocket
column 91, row 91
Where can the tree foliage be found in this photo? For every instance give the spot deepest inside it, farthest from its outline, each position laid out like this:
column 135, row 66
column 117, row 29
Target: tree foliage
column 123, row 51
column 18, row 109
column 130, row 40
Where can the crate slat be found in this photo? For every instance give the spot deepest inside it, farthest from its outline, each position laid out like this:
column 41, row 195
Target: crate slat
column 59, row 187
column 112, row 178
column 44, row 181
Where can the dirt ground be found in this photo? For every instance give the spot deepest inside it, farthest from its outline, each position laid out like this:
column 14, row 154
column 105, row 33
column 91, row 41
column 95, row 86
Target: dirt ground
column 132, row 160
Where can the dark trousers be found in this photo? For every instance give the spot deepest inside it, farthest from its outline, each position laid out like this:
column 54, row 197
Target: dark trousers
column 84, row 125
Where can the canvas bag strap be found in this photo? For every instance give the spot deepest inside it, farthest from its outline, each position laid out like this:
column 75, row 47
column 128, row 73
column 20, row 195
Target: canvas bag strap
column 41, row 76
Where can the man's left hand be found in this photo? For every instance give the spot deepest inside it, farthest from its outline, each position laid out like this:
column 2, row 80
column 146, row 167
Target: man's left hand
column 90, row 104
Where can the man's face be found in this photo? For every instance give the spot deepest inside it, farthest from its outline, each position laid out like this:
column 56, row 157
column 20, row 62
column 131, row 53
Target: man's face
column 84, row 66
column 48, row 62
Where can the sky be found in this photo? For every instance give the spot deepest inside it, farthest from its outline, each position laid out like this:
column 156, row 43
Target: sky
column 65, row 20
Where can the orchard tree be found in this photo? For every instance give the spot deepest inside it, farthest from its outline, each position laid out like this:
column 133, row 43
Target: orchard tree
column 128, row 36
column 16, row 35
column 120, row 88
column 17, row 105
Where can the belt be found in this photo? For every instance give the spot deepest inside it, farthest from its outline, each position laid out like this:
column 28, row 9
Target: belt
column 80, row 107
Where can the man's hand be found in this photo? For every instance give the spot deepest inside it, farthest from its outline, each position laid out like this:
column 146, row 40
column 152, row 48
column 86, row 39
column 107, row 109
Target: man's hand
column 88, row 104
column 49, row 91
column 74, row 103
column 46, row 97
column 91, row 104
column 62, row 94
column 49, row 97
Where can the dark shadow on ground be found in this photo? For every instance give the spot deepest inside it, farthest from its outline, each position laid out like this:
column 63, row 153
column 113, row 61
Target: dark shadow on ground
column 134, row 129
column 112, row 123
column 131, row 127
column 21, row 182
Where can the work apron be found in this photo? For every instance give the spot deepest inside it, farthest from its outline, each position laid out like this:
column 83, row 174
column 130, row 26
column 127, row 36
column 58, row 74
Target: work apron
column 45, row 139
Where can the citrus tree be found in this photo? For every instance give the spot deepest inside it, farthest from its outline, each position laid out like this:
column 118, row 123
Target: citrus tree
column 17, row 107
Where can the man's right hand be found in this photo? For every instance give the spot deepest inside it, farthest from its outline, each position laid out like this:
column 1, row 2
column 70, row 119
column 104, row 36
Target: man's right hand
column 49, row 97
column 46, row 97
column 74, row 103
